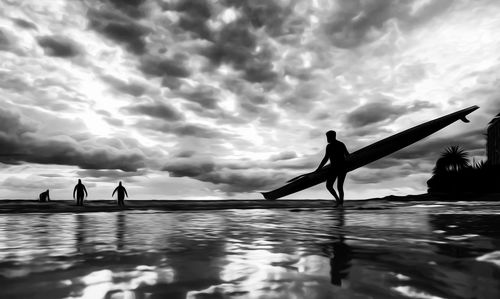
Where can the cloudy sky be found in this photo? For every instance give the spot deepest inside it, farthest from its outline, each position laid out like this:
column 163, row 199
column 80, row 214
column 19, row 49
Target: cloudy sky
column 195, row 99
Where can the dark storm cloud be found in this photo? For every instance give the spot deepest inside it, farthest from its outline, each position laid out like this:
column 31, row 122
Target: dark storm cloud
column 373, row 113
column 52, row 175
column 185, row 154
column 382, row 111
column 283, row 156
column 194, row 15
column 230, row 180
column 114, row 121
column 183, row 167
column 132, row 8
column 234, row 182
column 134, row 89
column 159, row 66
column 184, row 129
column 196, row 131
column 260, row 70
column 355, row 22
column 7, row 41
column 384, row 163
column 42, row 93
column 156, row 110
column 204, row 96
column 24, row 24
column 171, row 82
column 301, row 97
column 236, row 44
column 10, row 124
column 13, row 83
column 109, row 174
column 354, row 19
column 19, row 142
column 119, row 28
column 59, row 46
column 269, row 15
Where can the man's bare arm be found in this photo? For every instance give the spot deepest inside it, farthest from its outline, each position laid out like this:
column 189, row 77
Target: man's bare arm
column 323, row 162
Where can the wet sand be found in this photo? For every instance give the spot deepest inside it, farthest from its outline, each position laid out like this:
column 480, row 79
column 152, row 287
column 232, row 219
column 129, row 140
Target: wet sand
column 10, row 206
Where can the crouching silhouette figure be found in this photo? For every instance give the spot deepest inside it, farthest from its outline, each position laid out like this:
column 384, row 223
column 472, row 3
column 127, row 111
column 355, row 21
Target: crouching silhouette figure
column 80, row 190
column 121, row 194
column 44, row 196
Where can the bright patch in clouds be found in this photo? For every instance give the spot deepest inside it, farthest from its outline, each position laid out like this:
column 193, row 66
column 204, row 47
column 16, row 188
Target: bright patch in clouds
column 203, row 99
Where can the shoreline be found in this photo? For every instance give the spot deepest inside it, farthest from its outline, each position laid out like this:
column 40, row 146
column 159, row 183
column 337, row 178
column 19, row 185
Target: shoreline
column 18, row 206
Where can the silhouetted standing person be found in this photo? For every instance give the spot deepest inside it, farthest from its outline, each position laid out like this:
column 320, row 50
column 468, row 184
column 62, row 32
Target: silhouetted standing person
column 44, row 196
column 337, row 153
column 80, row 190
column 121, row 194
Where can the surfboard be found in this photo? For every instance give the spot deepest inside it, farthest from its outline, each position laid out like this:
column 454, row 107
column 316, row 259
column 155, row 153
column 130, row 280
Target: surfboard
column 372, row 152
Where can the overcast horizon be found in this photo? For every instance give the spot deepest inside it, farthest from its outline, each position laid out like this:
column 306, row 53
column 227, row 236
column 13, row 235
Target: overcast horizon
column 222, row 99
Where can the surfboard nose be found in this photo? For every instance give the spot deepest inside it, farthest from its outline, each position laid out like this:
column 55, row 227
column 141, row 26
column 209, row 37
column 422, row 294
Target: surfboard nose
column 470, row 109
column 467, row 111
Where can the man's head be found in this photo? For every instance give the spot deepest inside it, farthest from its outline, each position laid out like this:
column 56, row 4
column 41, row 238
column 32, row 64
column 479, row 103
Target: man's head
column 120, row 183
column 331, row 136
column 79, row 181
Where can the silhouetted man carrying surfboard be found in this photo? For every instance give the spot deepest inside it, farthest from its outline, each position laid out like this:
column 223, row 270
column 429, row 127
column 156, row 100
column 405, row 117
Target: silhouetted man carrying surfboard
column 337, row 153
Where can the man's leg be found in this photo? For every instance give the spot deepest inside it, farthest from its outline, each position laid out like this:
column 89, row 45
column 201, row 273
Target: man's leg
column 340, row 186
column 329, row 185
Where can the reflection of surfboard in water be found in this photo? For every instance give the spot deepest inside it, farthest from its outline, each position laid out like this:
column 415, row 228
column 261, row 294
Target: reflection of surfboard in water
column 372, row 152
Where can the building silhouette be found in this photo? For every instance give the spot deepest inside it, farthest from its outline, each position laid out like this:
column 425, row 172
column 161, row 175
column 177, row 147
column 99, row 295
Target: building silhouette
column 493, row 141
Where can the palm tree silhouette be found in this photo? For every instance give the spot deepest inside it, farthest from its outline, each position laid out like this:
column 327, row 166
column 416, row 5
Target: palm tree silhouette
column 453, row 159
column 479, row 165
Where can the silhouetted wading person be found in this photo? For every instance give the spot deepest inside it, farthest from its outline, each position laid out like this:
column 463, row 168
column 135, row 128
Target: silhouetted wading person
column 80, row 190
column 337, row 153
column 44, row 196
column 121, row 194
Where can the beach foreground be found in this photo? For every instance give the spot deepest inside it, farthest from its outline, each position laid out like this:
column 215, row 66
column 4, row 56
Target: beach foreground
column 371, row 249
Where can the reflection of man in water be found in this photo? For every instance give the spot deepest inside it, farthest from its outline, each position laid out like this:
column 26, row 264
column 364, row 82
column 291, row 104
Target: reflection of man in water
column 80, row 190
column 337, row 153
column 44, row 196
column 340, row 261
column 121, row 194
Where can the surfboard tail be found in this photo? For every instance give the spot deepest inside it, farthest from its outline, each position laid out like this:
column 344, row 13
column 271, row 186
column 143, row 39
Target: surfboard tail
column 267, row 196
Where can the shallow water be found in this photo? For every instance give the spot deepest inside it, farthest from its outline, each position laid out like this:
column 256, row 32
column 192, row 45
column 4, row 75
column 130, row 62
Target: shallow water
column 369, row 250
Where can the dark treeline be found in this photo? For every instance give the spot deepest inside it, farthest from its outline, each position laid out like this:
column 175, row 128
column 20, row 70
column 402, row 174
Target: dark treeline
column 454, row 173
